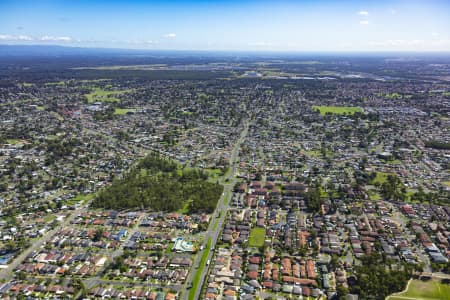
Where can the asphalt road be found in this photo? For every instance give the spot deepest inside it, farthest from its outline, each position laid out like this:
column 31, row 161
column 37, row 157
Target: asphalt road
column 222, row 205
column 213, row 230
column 95, row 280
column 7, row 272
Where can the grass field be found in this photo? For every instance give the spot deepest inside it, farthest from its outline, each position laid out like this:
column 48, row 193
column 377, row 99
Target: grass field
column 227, row 197
column 257, row 237
column 123, row 111
column 380, row 178
column 337, row 110
column 214, row 174
column 13, row 141
column 100, row 95
column 424, row 290
column 374, row 195
column 313, row 153
column 81, row 198
column 49, row 218
column 392, row 96
column 409, row 195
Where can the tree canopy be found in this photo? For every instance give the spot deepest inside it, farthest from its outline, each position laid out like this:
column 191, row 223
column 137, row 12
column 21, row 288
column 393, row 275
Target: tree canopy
column 161, row 184
column 377, row 277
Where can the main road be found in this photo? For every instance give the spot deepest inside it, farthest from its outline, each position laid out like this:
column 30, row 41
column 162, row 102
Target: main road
column 6, row 273
column 217, row 218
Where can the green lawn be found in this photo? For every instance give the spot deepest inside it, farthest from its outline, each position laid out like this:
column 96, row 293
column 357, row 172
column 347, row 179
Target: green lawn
column 56, row 83
column 214, row 174
column 199, row 272
column 374, row 195
column 169, row 248
column 227, row 198
column 49, row 218
column 338, row 110
column 100, row 95
column 185, row 209
column 123, row 111
column 313, row 153
column 81, row 198
column 380, row 178
column 215, row 224
column 394, row 162
column 392, row 96
column 424, row 290
column 12, row 141
column 409, row 195
column 257, row 237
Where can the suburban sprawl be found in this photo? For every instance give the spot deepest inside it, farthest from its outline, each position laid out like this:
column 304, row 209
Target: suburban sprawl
column 183, row 176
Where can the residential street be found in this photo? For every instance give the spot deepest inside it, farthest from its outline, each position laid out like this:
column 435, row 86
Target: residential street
column 221, row 209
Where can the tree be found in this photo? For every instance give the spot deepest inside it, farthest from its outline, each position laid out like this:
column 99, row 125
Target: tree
column 160, row 184
column 80, row 287
column 98, row 235
column 342, row 291
column 377, row 277
column 21, row 276
column 393, row 188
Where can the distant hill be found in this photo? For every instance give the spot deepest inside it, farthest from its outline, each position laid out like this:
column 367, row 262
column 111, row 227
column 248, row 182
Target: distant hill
column 62, row 51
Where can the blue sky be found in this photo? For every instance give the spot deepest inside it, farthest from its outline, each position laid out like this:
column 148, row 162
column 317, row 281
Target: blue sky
column 302, row 25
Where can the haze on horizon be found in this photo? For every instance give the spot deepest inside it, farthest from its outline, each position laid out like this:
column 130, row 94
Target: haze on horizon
column 322, row 25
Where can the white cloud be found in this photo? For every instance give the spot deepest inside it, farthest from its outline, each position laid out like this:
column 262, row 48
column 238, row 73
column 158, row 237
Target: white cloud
column 364, row 22
column 417, row 44
column 27, row 38
column 170, row 35
column 140, row 42
column 363, row 13
column 412, row 44
column 260, row 44
column 24, row 38
column 47, row 38
column 7, row 37
column 441, row 42
column 4, row 37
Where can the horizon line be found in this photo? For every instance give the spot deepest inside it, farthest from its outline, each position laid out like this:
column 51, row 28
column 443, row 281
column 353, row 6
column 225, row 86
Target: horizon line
column 262, row 51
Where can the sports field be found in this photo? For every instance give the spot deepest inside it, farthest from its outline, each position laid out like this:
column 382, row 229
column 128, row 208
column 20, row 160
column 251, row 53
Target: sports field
column 257, row 237
column 337, row 110
column 424, row 290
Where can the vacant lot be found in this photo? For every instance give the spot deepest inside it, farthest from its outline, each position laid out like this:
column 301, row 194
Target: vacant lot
column 257, row 237
column 338, row 110
column 424, row 290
